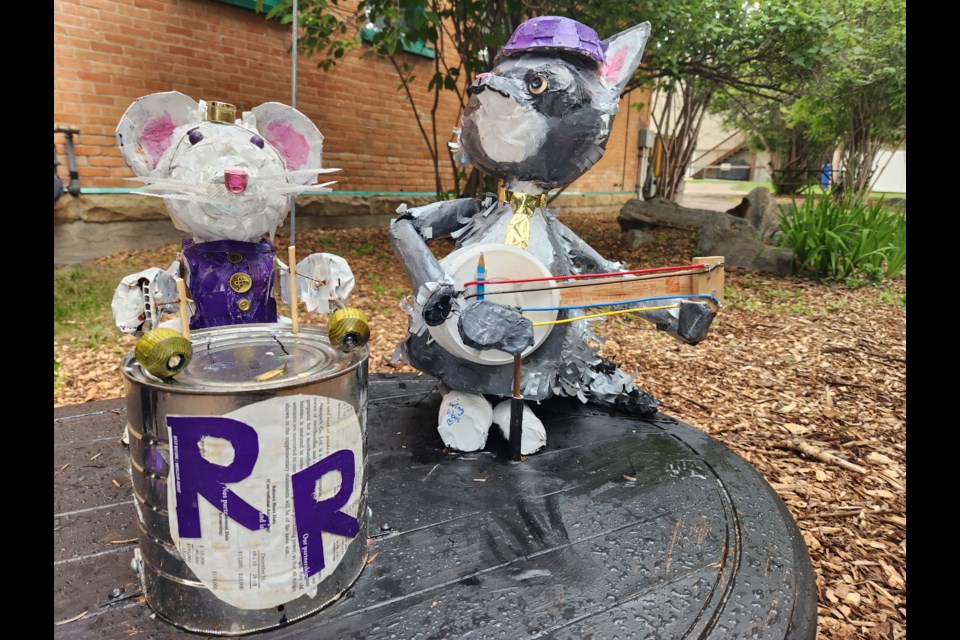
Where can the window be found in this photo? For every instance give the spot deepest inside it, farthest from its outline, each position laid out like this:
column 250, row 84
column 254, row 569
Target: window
column 252, row 4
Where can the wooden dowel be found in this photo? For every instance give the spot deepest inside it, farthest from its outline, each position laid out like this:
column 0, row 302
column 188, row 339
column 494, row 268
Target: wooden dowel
column 516, row 376
column 184, row 308
column 294, row 302
column 516, row 412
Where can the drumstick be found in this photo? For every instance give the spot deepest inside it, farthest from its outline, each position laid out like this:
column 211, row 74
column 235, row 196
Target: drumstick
column 516, row 412
column 294, row 307
column 184, row 309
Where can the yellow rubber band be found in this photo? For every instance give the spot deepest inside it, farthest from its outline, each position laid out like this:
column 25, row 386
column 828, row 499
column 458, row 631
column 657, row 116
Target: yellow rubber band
column 606, row 313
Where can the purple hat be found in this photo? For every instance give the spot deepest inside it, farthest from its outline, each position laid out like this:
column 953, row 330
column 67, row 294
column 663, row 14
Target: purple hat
column 555, row 33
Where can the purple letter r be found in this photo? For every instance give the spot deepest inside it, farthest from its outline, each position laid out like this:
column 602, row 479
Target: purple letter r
column 316, row 516
column 195, row 476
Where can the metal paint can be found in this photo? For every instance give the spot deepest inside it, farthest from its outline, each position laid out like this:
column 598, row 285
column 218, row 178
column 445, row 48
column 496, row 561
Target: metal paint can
column 249, row 472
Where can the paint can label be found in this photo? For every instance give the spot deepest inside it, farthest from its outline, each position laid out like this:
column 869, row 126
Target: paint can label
column 265, row 500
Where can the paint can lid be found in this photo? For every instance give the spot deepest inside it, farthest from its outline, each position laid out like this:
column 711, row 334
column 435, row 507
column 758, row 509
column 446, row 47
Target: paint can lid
column 253, row 357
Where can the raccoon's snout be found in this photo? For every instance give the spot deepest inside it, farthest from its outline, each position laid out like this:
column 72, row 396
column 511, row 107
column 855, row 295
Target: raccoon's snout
column 489, row 81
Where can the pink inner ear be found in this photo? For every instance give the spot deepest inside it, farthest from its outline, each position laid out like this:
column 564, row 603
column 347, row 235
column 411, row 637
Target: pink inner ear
column 291, row 145
column 155, row 136
column 613, row 66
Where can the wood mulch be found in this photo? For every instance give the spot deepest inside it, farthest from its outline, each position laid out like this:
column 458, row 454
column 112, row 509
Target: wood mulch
column 806, row 381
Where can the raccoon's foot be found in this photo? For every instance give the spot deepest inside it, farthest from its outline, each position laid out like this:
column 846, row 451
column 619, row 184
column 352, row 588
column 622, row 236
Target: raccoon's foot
column 637, row 403
column 609, row 386
column 533, row 437
column 464, row 421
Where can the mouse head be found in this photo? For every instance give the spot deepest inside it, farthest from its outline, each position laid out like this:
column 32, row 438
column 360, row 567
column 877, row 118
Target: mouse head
column 221, row 178
column 542, row 116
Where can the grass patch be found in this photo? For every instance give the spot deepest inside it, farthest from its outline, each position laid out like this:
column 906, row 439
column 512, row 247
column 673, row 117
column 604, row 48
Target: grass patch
column 739, row 185
column 81, row 304
column 846, row 240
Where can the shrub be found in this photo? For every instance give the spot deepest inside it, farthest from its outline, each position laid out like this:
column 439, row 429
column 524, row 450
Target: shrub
column 845, row 238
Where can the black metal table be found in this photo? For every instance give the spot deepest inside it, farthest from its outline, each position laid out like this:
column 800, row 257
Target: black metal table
column 621, row 528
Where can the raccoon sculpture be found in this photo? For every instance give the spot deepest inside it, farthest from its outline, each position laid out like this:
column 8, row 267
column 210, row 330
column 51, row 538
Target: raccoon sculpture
column 538, row 121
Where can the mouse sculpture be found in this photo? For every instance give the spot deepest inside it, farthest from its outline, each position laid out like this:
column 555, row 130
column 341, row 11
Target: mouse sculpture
column 229, row 183
column 537, row 121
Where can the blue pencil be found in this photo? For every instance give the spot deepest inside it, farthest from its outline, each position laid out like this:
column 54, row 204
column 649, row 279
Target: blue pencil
column 481, row 276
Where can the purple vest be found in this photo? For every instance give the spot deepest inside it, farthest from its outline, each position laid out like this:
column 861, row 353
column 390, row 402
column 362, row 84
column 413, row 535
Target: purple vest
column 231, row 282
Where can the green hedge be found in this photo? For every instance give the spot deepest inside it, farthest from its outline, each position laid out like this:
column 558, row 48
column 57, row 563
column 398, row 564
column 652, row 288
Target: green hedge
column 846, row 238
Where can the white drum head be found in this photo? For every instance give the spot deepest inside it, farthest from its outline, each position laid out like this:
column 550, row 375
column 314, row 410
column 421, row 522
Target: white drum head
column 502, row 262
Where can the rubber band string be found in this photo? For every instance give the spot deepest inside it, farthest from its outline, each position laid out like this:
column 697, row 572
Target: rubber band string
column 621, row 302
column 561, row 287
column 605, row 313
column 611, row 274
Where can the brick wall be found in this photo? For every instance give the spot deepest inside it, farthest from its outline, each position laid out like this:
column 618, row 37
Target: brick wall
column 108, row 53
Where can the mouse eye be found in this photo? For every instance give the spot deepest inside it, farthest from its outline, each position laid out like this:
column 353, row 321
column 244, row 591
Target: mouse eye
column 537, row 84
column 257, row 141
column 194, row 136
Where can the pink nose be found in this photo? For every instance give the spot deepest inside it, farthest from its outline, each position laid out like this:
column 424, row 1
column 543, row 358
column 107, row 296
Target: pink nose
column 235, row 180
column 481, row 76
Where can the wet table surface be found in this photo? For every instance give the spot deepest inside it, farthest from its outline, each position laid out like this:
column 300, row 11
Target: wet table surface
column 621, row 528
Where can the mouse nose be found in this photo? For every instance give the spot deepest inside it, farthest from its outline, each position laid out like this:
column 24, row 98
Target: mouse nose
column 235, row 180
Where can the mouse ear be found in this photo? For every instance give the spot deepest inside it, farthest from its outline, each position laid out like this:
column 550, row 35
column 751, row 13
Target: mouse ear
column 623, row 53
column 293, row 135
column 146, row 129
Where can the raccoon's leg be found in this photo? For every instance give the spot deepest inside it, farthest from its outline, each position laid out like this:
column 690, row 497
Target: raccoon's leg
column 464, row 421
column 533, row 436
column 604, row 383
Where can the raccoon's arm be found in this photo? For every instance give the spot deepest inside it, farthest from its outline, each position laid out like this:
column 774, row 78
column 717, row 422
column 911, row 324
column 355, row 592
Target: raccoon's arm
column 440, row 219
column 412, row 228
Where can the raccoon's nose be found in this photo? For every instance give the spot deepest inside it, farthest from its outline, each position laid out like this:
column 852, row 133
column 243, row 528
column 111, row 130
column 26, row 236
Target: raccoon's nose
column 235, row 180
column 479, row 84
column 477, row 87
column 490, row 81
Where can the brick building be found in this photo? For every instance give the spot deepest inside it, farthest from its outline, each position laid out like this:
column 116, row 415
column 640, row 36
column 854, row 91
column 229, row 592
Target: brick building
column 108, row 53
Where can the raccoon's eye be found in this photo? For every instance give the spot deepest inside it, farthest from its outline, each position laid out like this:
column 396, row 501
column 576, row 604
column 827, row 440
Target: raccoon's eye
column 194, row 136
column 537, row 84
column 256, row 140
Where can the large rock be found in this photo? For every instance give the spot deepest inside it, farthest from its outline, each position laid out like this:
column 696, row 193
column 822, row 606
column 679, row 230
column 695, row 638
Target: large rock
column 656, row 212
column 738, row 242
column 720, row 234
column 761, row 210
column 740, row 248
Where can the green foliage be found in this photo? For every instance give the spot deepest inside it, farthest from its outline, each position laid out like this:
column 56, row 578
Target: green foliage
column 459, row 38
column 695, row 47
column 850, row 95
column 858, row 101
column 704, row 51
column 847, row 238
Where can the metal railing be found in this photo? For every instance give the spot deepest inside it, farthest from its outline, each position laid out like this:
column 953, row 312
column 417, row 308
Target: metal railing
column 793, row 180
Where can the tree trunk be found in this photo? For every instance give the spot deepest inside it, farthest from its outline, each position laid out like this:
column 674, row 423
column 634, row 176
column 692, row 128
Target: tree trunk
column 678, row 121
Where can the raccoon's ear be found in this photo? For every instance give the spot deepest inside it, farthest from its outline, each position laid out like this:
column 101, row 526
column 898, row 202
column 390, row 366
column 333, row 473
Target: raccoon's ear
column 622, row 55
column 146, row 128
column 293, row 135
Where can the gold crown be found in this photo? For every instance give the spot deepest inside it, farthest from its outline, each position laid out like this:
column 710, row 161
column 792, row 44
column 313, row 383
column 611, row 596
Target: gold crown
column 221, row 112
